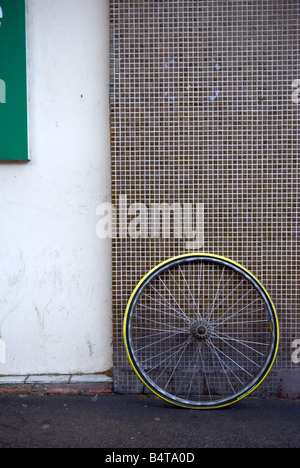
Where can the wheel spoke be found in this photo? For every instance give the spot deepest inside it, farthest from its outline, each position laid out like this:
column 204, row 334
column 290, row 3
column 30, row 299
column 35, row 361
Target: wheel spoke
column 218, row 323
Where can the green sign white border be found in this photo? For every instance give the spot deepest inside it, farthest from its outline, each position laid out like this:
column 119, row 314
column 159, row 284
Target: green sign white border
column 14, row 128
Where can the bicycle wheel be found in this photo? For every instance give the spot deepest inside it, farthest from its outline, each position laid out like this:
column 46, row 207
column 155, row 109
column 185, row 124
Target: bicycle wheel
column 200, row 331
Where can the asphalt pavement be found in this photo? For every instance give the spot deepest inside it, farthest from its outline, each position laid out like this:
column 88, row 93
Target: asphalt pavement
column 131, row 422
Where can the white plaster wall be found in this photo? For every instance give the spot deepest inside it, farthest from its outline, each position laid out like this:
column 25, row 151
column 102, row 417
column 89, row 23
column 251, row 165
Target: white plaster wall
column 55, row 274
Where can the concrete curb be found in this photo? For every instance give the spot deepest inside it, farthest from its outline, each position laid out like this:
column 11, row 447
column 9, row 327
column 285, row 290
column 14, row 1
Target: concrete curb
column 88, row 384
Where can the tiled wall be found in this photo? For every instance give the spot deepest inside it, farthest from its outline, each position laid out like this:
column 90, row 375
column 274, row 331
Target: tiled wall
column 204, row 111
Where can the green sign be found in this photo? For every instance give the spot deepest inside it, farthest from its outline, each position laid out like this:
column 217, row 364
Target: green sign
column 13, row 89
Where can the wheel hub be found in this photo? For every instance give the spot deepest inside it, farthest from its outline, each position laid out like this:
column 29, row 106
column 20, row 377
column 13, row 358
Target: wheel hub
column 200, row 329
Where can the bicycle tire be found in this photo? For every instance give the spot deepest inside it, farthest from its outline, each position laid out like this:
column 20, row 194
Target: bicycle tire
column 200, row 331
